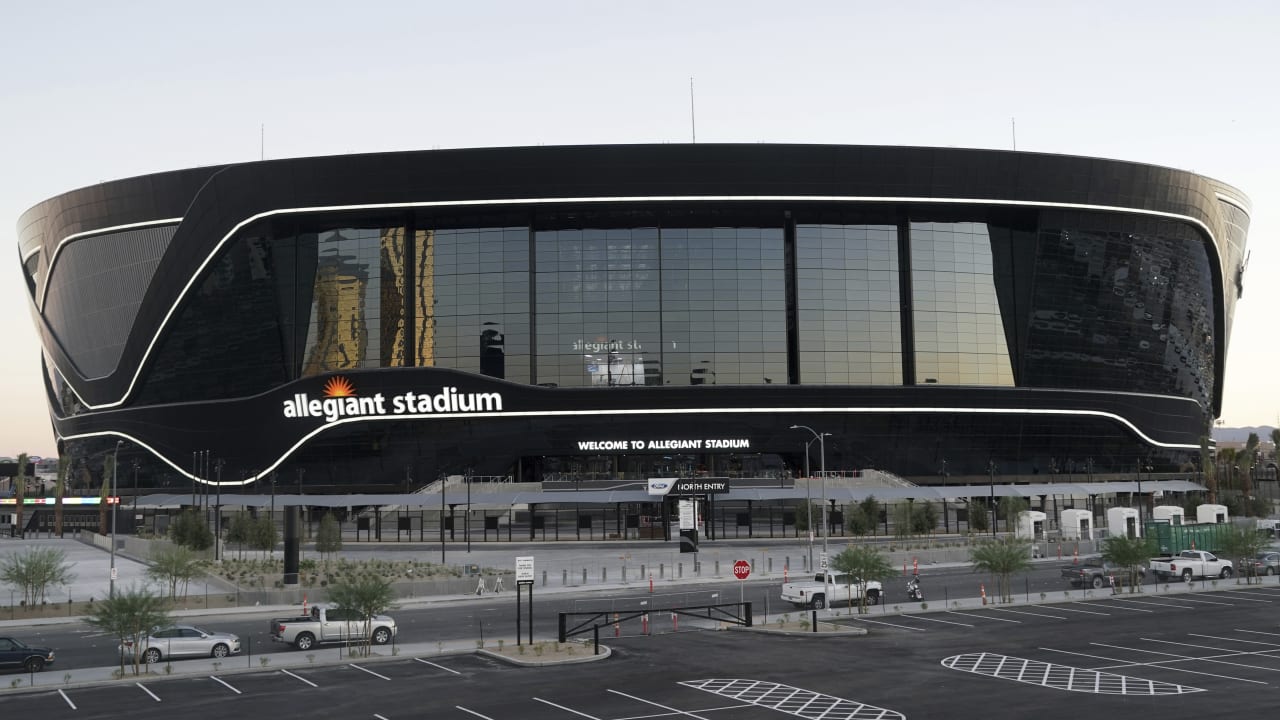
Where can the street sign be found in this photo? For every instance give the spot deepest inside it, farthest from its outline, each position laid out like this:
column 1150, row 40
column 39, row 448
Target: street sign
column 741, row 569
column 822, row 561
column 524, row 569
column 688, row 520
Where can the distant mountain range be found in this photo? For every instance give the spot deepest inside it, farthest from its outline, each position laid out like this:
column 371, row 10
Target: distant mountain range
column 1241, row 434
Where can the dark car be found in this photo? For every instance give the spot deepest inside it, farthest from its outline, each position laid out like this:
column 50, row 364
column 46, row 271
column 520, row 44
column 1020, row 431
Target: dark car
column 1097, row 573
column 16, row 654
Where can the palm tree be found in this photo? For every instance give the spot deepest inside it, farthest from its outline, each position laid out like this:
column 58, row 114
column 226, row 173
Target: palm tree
column 1010, row 507
column 860, row 563
column 129, row 617
column 1002, row 558
column 1250, row 457
column 366, row 596
column 1129, row 553
column 20, row 492
column 60, row 489
column 1228, row 457
column 1209, row 470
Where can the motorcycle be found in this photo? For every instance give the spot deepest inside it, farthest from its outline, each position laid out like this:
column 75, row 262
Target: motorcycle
column 913, row 588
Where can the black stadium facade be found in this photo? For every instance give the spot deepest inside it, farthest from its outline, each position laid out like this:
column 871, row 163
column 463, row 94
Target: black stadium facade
column 370, row 323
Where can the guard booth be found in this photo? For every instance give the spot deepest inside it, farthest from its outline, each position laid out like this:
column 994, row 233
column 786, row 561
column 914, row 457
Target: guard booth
column 1210, row 513
column 1076, row 524
column 1171, row 514
column 1030, row 525
column 1123, row 522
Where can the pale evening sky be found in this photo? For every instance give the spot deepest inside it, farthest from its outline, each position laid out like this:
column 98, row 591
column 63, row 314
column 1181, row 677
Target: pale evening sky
column 91, row 92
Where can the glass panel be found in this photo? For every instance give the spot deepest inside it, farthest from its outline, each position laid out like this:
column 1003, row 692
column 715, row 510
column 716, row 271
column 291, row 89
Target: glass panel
column 959, row 334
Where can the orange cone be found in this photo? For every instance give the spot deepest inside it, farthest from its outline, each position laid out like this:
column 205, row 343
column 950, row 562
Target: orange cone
column 982, row 588
column 304, row 606
column 1075, row 556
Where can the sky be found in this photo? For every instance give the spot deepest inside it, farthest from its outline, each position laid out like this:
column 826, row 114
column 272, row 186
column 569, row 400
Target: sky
column 91, row 92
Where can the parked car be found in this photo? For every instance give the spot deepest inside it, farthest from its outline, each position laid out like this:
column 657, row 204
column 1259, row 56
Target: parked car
column 1097, row 573
column 326, row 624
column 16, row 654
column 179, row 641
column 1266, row 563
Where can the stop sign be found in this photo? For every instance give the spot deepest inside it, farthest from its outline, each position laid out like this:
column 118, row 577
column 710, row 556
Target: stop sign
column 741, row 569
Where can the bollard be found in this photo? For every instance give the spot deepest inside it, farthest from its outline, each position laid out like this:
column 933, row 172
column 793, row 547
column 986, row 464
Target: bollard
column 815, row 621
column 584, row 576
column 662, row 569
column 717, row 568
column 564, row 576
column 642, row 571
column 769, row 566
column 679, row 570
column 544, row 578
column 604, row 574
column 595, row 634
column 624, row 574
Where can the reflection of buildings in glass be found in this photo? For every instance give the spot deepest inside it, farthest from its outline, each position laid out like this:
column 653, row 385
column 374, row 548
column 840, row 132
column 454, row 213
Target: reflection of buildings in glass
column 702, row 375
column 339, row 334
column 492, row 353
column 616, row 368
column 424, row 297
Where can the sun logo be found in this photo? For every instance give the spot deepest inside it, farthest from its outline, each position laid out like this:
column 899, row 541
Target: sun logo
column 339, row 387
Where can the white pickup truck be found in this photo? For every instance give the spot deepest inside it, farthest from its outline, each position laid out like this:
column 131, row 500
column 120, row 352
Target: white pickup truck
column 814, row 593
column 331, row 625
column 1191, row 564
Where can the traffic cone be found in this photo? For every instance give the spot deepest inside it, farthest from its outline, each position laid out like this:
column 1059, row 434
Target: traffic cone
column 304, row 606
column 982, row 588
column 1193, row 543
column 1059, row 551
column 784, row 573
column 1075, row 556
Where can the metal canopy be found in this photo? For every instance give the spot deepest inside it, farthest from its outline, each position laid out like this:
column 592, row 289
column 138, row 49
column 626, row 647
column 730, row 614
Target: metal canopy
column 607, row 497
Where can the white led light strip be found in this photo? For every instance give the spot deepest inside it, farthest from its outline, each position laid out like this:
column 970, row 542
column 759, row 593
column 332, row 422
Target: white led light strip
column 584, row 200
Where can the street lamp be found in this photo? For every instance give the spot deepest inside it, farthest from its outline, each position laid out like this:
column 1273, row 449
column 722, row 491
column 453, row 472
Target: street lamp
column 822, row 451
column 115, row 460
column 991, row 483
column 808, row 498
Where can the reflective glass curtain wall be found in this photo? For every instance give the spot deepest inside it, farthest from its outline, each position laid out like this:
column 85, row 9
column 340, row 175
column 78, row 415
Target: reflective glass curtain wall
column 850, row 328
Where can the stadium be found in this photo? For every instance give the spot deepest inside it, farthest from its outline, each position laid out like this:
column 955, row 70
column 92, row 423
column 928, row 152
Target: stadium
column 591, row 316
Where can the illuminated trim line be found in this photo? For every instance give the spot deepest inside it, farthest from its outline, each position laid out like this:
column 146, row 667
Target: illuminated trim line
column 1213, row 242
column 639, row 411
column 44, row 292
column 1234, row 201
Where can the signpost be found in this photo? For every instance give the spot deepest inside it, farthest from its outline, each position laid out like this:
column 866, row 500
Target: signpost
column 524, row 577
column 742, row 570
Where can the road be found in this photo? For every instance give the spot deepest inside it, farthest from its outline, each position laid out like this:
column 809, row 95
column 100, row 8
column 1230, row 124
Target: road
column 475, row 618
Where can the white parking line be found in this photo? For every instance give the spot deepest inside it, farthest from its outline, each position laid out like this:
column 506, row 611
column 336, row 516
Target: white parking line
column 1122, row 607
column 1257, row 632
column 1203, row 602
column 428, row 662
column 1225, row 653
column 945, row 622
column 224, row 682
column 1155, row 604
column 984, row 617
column 1238, row 640
column 299, row 677
column 702, row 710
column 881, row 622
column 1182, row 658
column 566, row 709
column 658, row 705
column 64, row 697
column 1077, row 610
column 144, row 689
column 473, row 712
column 1022, row 612
column 1125, row 664
column 1235, row 595
column 384, row 677
column 379, row 716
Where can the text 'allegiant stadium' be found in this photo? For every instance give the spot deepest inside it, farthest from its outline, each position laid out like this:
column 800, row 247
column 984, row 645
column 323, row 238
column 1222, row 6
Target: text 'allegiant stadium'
column 448, row 400
column 696, row 444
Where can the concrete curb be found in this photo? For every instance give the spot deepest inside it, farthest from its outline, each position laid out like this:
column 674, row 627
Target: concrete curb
column 605, row 653
column 843, row 632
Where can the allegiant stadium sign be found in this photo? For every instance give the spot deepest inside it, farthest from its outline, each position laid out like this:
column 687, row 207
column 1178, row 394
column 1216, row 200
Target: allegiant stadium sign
column 340, row 401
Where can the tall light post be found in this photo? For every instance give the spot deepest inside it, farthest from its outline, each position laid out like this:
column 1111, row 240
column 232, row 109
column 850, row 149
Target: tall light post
column 822, row 464
column 115, row 460
column 991, row 484
column 808, row 499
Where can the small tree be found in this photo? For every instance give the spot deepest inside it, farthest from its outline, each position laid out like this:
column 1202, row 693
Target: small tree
column 263, row 535
column 1243, row 544
column 190, row 530
column 60, row 490
column 977, row 512
column 861, row 563
column 329, row 536
column 129, row 617
column 20, row 494
column 802, row 517
column 173, row 565
column 903, row 527
column 1002, row 558
column 240, row 531
column 1130, row 554
column 926, row 517
column 36, row 571
column 858, row 522
column 365, row 596
column 871, row 508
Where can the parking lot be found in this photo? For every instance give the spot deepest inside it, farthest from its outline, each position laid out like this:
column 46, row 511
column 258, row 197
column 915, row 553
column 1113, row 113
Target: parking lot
column 1188, row 655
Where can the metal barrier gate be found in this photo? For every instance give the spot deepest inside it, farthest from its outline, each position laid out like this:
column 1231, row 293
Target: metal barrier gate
column 571, row 626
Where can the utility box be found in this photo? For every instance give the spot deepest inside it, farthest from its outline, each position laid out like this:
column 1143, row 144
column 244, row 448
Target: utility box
column 1076, row 524
column 1171, row 514
column 1123, row 522
column 1030, row 525
column 1210, row 513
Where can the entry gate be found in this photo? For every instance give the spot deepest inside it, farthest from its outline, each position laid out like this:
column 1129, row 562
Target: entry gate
column 579, row 623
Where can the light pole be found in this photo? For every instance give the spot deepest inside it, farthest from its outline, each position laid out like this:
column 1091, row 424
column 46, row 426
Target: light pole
column 115, row 460
column 808, row 499
column 822, row 464
column 991, row 483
